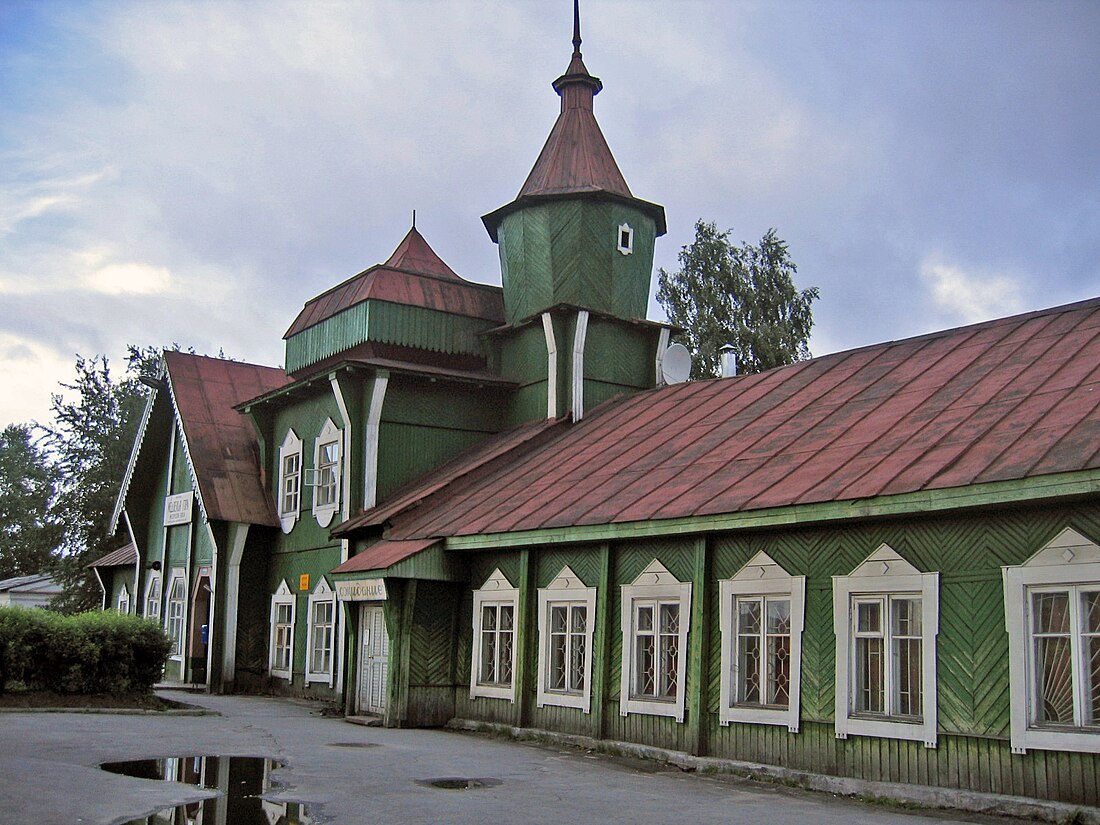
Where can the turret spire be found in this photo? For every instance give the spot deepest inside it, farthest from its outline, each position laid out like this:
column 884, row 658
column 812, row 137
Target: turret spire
column 576, row 28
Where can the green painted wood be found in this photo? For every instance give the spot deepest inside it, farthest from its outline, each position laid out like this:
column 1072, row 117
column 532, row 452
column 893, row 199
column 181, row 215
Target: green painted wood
column 698, row 670
column 601, row 641
column 387, row 323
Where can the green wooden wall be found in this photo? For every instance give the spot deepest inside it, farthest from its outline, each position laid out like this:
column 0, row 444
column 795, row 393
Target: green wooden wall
column 973, row 704
column 566, row 252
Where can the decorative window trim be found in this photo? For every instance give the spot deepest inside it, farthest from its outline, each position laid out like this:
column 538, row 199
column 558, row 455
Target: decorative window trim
column 330, row 434
column 291, row 448
column 654, row 583
column 624, row 238
column 283, row 596
column 761, row 576
column 177, row 637
column 886, row 574
column 152, row 596
column 497, row 591
column 123, row 605
column 1068, row 559
column 321, row 594
column 565, row 589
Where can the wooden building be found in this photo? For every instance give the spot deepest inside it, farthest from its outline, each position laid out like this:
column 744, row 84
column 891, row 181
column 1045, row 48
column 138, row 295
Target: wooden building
column 465, row 502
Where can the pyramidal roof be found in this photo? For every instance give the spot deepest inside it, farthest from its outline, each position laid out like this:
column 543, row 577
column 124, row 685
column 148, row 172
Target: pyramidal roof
column 414, row 254
column 413, row 275
column 576, row 159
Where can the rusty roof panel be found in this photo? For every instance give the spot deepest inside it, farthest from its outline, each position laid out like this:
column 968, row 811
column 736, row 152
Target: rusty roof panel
column 220, row 441
column 384, row 554
column 123, row 556
column 414, row 276
column 1006, row 399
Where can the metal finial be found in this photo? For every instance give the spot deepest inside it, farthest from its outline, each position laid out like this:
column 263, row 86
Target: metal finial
column 414, row 219
column 576, row 28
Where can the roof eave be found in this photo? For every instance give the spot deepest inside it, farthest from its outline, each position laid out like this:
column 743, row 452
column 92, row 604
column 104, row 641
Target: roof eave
column 1045, row 488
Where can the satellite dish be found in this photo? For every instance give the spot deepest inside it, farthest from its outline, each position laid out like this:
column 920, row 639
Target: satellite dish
column 676, row 364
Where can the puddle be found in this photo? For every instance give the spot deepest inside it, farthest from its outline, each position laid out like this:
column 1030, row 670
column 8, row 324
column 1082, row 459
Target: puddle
column 240, row 779
column 455, row 783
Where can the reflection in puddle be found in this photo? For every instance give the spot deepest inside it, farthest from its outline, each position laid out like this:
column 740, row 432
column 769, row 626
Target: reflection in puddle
column 240, row 779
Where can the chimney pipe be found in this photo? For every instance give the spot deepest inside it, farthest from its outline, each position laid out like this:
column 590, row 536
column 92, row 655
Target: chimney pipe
column 728, row 359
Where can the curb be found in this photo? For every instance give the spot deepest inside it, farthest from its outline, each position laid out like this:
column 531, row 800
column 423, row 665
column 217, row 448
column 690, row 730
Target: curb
column 118, row 711
column 919, row 796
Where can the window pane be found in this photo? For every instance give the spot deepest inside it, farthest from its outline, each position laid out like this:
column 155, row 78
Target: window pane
column 869, row 675
column 645, row 672
column 506, row 653
column 488, row 670
column 558, row 654
column 779, row 616
column 558, row 619
column 645, row 618
column 1090, row 612
column 488, row 618
column 1055, row 680
column 908, row 676
column 1051, row 612
column 906, row 615
column 580, row 619
column 869, row 617
column 576, row 663
column 506, row 617
column 670, row 649
column 670, row 618
column 1092, row 680
column 779, row 670
column 748, row 616
column 748, row 669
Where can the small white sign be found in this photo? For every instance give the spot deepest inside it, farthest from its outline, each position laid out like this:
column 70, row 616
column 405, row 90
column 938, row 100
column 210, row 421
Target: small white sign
column 177, row 508
column 363, row 590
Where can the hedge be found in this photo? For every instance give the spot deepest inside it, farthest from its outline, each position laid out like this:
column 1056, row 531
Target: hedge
column 97, row 652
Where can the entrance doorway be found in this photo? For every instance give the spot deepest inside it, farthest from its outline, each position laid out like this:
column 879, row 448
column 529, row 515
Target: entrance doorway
column 374, row 653
column 198, row 639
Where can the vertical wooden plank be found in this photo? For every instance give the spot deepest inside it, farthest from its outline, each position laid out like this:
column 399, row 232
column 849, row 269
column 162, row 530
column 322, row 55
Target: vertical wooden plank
column 351, row 655
column 601, row 642
column 698, row 673
column 526, row 622
column 401, row 673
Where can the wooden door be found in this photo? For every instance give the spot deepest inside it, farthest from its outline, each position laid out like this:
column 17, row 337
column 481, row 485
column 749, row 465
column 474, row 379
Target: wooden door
column 374, row 653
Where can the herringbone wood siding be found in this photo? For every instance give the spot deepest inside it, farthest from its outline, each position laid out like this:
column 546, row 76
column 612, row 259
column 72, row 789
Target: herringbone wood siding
column 968, row 552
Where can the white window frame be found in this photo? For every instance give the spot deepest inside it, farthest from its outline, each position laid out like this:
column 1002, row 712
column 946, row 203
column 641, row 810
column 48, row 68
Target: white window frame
column 884, row 574
column 330, row 434
column 177, row 637
column 123, row 605
column 627, row 230
column 569, row 591
column 152, row 596
column 292, row 447
column 761, row 577
column 497, row 591
column 1068, row 561
column 322, row 594
column 283, row 596
column 655, row 584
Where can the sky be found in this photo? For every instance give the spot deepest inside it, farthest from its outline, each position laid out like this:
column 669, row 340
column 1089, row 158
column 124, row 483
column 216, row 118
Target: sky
column 194, row 172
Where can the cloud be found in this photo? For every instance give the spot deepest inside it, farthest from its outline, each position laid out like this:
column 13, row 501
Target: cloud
column 31, row 372
column 133, row 278
column 972, row 296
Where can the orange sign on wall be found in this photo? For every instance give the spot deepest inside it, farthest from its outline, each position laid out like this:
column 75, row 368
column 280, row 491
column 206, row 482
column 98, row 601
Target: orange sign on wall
column 303, row 581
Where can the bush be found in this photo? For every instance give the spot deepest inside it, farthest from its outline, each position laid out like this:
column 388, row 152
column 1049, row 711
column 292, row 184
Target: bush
column 98, row 652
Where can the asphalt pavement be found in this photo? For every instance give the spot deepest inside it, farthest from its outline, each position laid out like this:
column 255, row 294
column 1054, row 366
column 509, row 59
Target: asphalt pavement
column 352, row 775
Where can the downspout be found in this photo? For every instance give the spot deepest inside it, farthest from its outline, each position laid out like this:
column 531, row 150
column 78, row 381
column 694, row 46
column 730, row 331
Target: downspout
column 551, row 366
column 212, row 611
column 578, row 364
column 662, row 345
column 137, row 560
column 370, row 448
column 102, row 587
column 237, row 536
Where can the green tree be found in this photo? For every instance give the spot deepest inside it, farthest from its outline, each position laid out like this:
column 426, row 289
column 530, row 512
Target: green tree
column 741, row 296
column 28, row 532
column 92, row 433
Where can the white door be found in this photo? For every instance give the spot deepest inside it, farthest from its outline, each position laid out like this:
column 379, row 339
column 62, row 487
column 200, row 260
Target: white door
column 374, row 653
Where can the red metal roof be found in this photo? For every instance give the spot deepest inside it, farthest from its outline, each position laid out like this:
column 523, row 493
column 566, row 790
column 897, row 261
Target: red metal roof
column 1004, row 400
column 382, row 555
column 413, row 275
column 220, row 441
column 123, row 556
column 575, row 160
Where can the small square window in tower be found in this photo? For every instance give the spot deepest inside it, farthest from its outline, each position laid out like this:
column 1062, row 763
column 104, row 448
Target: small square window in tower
column 626, row 239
